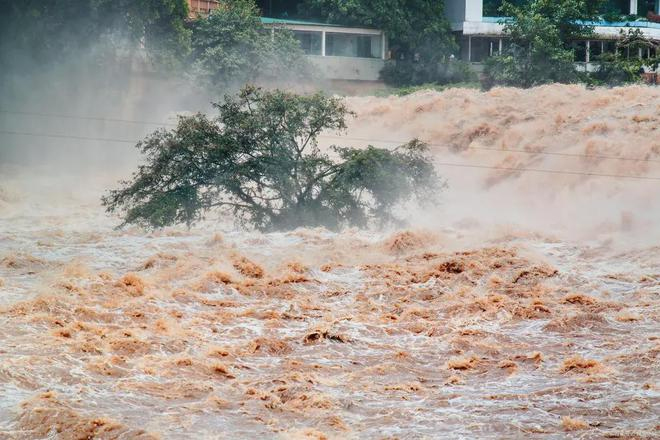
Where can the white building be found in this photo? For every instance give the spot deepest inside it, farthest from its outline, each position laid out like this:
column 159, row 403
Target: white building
column 340, row 53
column 480, row 36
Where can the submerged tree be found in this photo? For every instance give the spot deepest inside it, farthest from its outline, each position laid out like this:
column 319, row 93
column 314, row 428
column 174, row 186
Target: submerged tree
column 259, row 160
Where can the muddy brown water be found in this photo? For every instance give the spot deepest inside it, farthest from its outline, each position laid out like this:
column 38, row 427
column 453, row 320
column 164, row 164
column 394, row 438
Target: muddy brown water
column 457, row 327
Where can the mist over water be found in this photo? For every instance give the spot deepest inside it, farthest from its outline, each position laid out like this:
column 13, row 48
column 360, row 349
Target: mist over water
column 554, row 128
column 588, row 151
column 525, row 303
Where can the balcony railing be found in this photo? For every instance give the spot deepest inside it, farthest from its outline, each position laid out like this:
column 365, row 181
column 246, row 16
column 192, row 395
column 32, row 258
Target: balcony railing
column 601, row 23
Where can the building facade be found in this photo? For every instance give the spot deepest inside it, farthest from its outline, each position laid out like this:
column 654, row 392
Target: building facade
column 202, row 7
column 481, row 36
column 339, row 52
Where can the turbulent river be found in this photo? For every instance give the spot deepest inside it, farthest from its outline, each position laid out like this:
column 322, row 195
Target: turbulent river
column 525, row 305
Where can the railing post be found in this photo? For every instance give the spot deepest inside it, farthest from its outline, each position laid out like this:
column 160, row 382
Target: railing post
column 469, row 48
column 587, row 55
column 633, row 7
column 322, row 43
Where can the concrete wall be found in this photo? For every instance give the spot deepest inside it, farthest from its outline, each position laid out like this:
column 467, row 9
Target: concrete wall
column 649, row 29
column 474, row 10
column 348, row 68
column 460, row 11
column 455, row 11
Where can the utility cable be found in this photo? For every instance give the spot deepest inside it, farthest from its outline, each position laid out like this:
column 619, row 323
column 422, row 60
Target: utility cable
column 385, row 141
column 574, row 173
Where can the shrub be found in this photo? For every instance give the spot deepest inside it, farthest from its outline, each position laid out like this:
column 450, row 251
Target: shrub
column 402, row 73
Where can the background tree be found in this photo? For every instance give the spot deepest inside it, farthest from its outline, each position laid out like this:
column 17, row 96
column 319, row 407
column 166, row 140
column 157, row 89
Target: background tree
column 419, row 33
column 624, row 66
column 492, row 8
column 259, row 160
column 34, row 32
column 540, row 35
column 231, row 47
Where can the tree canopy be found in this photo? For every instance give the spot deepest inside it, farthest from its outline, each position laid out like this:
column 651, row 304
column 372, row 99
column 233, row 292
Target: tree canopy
column 539, row 34
column 620, row 67
column 43, row 32
column 259, row 161
column 418, row 31
column 231, row 47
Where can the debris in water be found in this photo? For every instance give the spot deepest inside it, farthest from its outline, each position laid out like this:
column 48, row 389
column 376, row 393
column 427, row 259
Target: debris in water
column 463, row 363
column 571, row 424
column 247, row 267
column 578, row 364
column 132, row 284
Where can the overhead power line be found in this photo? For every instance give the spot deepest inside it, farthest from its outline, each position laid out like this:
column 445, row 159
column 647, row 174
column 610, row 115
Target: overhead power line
column 361, row 139
column 66, row 136
column 386, row 141
column 86, row 118
column 505, row 150
column 534, row 170
column 575, row 173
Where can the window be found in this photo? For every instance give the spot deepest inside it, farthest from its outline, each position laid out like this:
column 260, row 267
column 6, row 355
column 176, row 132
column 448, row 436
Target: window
column 483, row 48
column 609, row 47
column 650, row 7
column 352, row 45
column 310, row 42
column 618, row 6
column 580, row 51
column 595, row 50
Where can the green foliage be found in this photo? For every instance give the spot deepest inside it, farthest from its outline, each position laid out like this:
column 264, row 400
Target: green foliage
column 419, row 34
column 492, row 8
column 540, row 33
column 232, row 47
column 407, row 73
column 617, row 68
column 619, row 10
column 409, row 90
column 46, row 32
column 259, row 160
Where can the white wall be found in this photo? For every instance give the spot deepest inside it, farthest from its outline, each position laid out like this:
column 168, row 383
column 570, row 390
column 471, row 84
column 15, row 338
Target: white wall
column 460, row 11
column 455, row 11
column 349, row 68
column 474, row 10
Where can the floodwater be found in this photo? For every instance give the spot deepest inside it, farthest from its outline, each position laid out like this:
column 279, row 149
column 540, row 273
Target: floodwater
column 525, row 305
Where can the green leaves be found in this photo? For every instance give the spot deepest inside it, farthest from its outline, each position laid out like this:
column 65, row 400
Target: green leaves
column 231, row 47
column 56, row 30
column 625, row 65
column 419, row 34
column 259, row 161
column 540, row 34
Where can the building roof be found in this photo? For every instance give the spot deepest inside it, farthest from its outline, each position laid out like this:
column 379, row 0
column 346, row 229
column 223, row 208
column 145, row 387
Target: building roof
column 286, row 21
column 599, row 23
column 269, row 20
